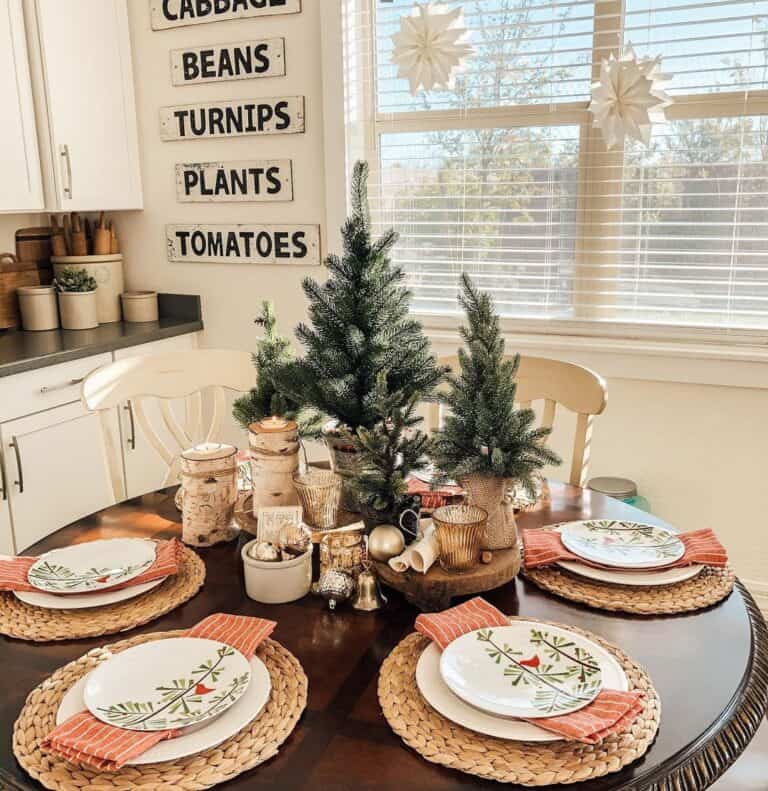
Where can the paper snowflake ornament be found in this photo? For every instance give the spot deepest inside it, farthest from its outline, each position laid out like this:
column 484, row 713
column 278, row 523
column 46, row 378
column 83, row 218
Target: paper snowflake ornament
column 429, row 47
column 629, row 97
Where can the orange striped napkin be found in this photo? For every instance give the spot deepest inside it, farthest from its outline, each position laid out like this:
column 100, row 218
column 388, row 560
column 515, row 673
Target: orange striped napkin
column 87, row 740
column 13, row 571
column 610, row 712
column 545, row 547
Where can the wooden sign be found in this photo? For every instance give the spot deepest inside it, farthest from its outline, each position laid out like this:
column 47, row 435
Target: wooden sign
column 242, row 60
column 244, row 244
column 267, row 116
column 178, row 13
column 223, row 182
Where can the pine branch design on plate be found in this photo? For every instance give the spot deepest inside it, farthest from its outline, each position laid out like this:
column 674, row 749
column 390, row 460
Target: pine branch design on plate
column 568, row 676
column 62, row 578
column 182, row 701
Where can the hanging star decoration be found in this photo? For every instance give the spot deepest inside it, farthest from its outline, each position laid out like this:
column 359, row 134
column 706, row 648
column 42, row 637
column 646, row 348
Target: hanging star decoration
column 629, row 97
column 429, row 47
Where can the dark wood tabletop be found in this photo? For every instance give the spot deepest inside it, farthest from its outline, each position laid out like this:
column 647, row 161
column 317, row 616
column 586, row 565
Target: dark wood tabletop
column 710, row 668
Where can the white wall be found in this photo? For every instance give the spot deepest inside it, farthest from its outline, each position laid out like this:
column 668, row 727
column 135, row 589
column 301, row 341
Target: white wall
column 696, row 451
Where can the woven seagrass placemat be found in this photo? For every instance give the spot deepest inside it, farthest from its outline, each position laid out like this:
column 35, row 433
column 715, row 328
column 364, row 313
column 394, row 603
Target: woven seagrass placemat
column 444, row 742
column 26, row 622
column 252, row 745
column 708, row 587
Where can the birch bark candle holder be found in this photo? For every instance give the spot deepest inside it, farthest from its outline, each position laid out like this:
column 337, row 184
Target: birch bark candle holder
column 319, row 493
column 209, row 486
column 274, row 446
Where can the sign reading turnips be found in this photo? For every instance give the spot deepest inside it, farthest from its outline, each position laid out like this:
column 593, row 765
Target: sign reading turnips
column 178, row 13
column 244, row 244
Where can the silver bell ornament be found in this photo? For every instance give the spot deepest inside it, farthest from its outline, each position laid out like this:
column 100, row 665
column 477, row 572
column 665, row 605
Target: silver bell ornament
column 384, row 542
column 336, row 586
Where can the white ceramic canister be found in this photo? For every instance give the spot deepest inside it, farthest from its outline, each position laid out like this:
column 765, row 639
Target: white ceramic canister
column 209, row 485
column 107, row 270
column 140, row 306
column 39, row 309
column 277, row 582
column 79, row 310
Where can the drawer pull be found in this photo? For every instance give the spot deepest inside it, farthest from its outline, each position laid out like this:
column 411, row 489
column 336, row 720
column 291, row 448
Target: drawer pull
column 20, row 483
column 71, row 383
column 132, row 439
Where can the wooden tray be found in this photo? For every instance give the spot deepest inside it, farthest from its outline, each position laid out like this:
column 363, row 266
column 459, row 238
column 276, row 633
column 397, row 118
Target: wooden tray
column 434, row 590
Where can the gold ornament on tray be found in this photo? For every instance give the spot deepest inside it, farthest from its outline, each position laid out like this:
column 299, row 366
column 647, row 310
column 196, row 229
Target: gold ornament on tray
column 385, row 542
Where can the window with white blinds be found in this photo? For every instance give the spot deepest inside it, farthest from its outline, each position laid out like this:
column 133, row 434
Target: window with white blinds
column 503, row 176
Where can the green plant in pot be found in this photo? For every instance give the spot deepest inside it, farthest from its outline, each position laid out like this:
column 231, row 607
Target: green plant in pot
column 387, row 453
column 486, row 443
column 359, row 325
column 273, row 353
column 77, row 299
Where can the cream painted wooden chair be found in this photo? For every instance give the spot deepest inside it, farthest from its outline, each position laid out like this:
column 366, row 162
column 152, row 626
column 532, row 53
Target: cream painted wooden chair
column 166, row 377
column 554, row 382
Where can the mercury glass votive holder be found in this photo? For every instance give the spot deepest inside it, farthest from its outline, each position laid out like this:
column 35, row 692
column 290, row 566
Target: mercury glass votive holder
column 459, row 530
column 319, row 494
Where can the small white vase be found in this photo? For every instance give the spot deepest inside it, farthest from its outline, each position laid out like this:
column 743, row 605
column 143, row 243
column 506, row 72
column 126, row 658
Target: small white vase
column 490, row 493
column 78, row 310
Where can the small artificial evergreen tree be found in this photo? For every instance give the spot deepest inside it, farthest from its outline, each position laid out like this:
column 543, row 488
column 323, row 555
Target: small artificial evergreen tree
column 359, row 326
column 484, row 434
column 388, row 453
column 273, row 352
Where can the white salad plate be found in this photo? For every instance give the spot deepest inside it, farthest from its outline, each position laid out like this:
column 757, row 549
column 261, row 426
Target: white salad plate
column 436, row 692
column 524, row 670
column 92, row 566
column 81, row 601
column 197, row 738
column 173, row 683
column 623, row 545
column 637, row 579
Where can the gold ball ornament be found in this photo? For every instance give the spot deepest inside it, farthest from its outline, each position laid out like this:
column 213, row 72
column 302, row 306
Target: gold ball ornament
column 384, row 542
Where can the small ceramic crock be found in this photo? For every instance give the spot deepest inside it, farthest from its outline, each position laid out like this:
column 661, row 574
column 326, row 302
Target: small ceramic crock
column 277, row 582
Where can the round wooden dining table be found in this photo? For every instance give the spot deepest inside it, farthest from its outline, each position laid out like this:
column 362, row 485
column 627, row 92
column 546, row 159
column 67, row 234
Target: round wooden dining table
column 709, row 667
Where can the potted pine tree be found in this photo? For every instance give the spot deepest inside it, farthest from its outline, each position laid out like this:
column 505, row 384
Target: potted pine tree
column 486, row 443
column 77, row 299
column 359, row 325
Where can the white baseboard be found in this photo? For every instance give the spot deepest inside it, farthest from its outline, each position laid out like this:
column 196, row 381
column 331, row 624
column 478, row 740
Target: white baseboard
column 759, row 591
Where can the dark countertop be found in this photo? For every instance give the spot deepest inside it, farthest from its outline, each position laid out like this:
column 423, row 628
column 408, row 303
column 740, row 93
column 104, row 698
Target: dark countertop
column 21, row 351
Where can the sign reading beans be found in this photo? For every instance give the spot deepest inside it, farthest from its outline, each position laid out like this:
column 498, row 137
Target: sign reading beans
column 243, row 60
column 244, row 244
column 229, row 118
column 177, row 13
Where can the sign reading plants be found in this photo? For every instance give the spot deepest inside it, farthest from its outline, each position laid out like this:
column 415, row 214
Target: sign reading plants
column 242, row 60
column 178, row 13
column 244, row 244
column 268, row 116
column 248, row 180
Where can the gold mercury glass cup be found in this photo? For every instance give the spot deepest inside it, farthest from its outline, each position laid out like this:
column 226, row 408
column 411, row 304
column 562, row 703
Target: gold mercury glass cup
column 319, row 494
column 459, row 530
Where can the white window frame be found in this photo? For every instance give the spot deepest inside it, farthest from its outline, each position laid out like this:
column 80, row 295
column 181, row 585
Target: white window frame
column 606, row 345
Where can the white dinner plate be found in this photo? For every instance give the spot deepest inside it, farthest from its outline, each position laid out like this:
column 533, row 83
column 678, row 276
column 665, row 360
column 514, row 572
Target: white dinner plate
column 173, row 683
column 92, row 566
column 81, row 601
column 637, row 579
column 526, row 669
column 198, row 738
column 622, row 545
column 436, row 692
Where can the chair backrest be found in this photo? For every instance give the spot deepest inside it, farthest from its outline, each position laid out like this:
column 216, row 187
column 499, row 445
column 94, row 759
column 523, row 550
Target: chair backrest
column 174, row 375
column 554, row 382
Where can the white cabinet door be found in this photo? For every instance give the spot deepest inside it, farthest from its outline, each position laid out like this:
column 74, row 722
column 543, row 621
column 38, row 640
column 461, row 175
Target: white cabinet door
column 145, row 470
column 21, row 187
column 6, row 534
column 57, row 468
column 88, row 74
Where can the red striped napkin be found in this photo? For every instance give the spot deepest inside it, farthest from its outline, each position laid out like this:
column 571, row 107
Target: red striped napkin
column 610, row 712
column 13, row 571
column 545, row 547
column 433, row 498
column 87, row 740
